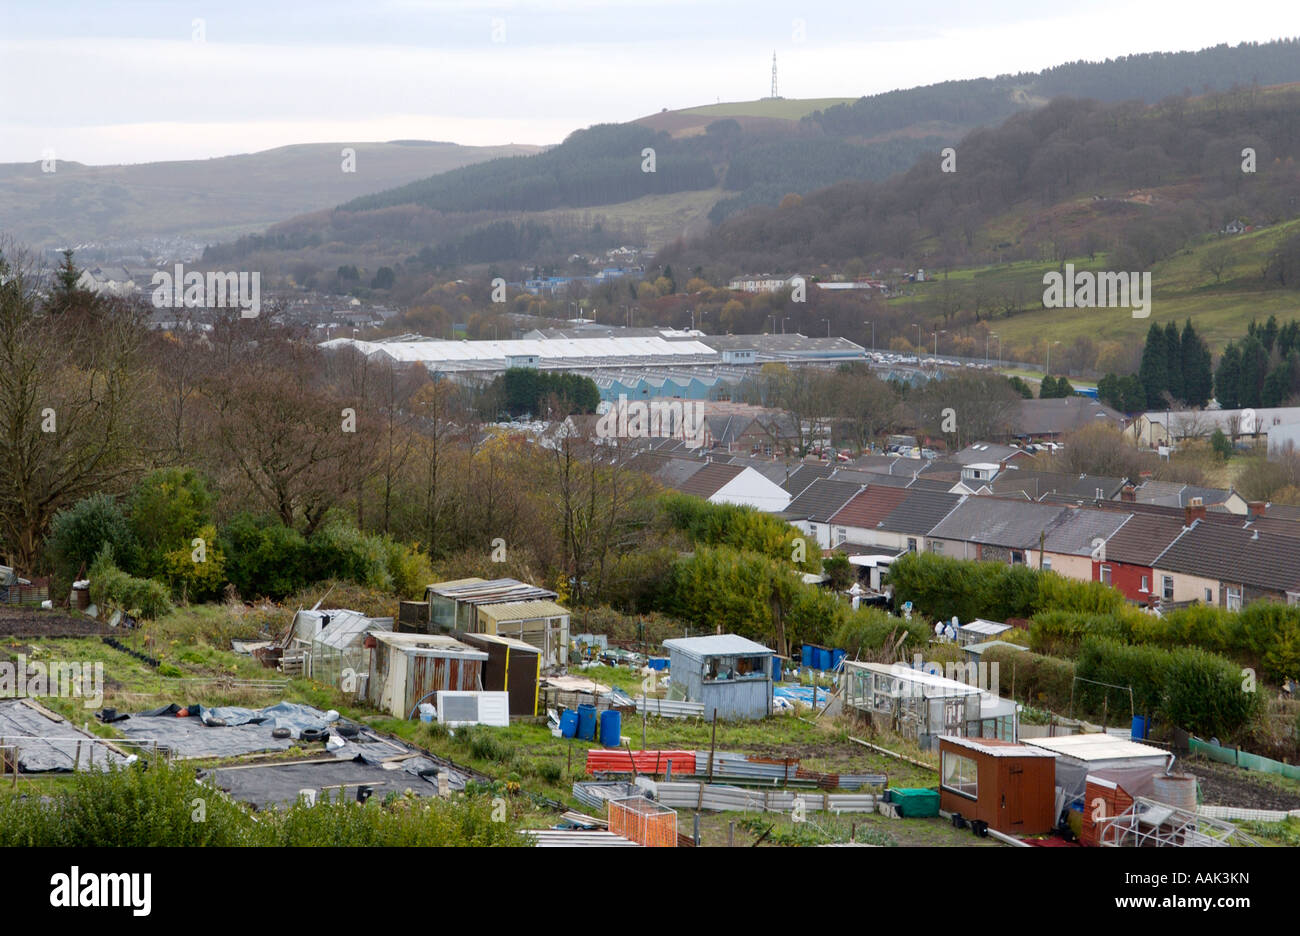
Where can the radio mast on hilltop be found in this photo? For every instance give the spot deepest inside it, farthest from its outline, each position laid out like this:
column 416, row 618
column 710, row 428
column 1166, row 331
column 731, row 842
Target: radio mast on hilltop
column 774, row 94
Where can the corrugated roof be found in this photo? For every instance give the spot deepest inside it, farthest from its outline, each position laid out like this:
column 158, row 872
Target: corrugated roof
column 716, row 645
column 996, row 747
column 1095, row 747
column 348, row 627
column 521, row 610
column 981, row 626
column 429, row 643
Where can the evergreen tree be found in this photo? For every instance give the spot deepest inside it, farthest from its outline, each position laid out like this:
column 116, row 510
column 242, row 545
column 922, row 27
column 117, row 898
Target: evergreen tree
column 1268, row 334
column 1227, row 379
column 1254, row 368
column 1198, row 379
column 1277, row 385
column 1153, row 371
column 65, row 294
column 1174, row 362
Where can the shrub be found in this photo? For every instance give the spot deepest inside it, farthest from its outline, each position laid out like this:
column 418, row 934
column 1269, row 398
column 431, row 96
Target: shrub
column 1033, row 677
column 867, row 631
column 113, row 589
column 264, row 557
column 80, row 533
column 1204, row 693
column 193, row 580
column 742, row 528
column 168, row 508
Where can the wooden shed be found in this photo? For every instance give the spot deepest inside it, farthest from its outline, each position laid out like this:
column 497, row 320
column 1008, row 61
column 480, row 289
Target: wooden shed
column 1109, row 793
column 512, row 666
column 406, row 669
column 1010, row 786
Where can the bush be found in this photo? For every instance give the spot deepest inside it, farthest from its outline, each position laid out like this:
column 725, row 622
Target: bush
column 168, row 508
column 741, row 528
column 1061, row 633
column 113, row 589
column 264, row 557
column 193, row 580
column 1033, row 677
column 80, row 533
column 867, row 631
column 1204, row 693
column 157, row 807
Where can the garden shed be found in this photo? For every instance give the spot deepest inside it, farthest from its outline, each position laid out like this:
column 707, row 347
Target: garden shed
column 1010, row 786
column 513, row 667
column 540, row 623
column 726, row 672
column 1082, row 754
column 452, row 605
column 407, row 669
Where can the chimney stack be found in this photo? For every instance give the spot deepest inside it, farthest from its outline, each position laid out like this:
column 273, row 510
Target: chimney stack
column 1255, row 508
column 1128, row 494
column 1195, row 510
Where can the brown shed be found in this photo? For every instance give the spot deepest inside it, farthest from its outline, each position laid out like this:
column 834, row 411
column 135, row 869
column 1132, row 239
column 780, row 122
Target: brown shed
column 1010, row 786
column 512, row 666
column 1110, row 792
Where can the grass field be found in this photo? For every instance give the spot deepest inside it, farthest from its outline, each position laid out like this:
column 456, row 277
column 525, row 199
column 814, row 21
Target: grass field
column 1180, row 290
column 785, row 108
column 663, row 217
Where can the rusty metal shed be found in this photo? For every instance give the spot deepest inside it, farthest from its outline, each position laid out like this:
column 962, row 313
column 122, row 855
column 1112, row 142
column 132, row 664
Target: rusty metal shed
column 407, row 668
column 453, row 605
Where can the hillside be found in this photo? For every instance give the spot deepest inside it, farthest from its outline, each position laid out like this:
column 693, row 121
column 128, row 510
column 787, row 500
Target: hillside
column 209, row 199
column 716, row 162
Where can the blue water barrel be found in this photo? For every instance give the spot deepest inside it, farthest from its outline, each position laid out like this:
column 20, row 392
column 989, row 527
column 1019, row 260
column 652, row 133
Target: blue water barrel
column 611, row 727
column 776, row 669
column 569, row 723
column 1139, row 730
column 657, row 663
column 807, row 658
column 836, row 657
column 823, row 658
column 587, row 722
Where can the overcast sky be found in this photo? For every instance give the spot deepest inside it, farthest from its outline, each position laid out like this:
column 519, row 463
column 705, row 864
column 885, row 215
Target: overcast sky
column 114, row 82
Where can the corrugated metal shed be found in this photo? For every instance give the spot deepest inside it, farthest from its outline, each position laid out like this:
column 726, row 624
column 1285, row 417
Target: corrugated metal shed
column 405, row 668
column 521, row 611
column 716, row 645
column 1096, row 747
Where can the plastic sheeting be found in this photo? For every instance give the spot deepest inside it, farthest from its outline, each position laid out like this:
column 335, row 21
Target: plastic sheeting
column 19, row 722
column 246, row 731
column 281, row 784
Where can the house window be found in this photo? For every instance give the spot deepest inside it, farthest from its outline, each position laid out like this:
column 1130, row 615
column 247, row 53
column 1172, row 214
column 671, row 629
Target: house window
column 1047, row 563
column 936, row 546
column 911, row 544
column 841, row 534
column 1017, row 557
column 1209, row 596
column 1146, row 585
column 1105, row 574
column 1167, row 587
column 1233, row 601
column 959, row 775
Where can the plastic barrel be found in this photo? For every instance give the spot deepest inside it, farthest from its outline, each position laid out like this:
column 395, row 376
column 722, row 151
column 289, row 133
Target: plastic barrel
column 1139, row 730
column 776, row 669
column 587, row 722
column 836, row 657
column 807, row 658
column 823, row 658
column 569, row 723
column 611, row 727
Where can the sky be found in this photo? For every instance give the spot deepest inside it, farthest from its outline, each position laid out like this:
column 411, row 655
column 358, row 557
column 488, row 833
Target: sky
column 145, row 80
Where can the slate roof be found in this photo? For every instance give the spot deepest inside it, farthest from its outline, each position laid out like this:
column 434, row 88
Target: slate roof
column 1037, row 483
column 985, row 452
column 821, row 499
column 994, row 521
column 1077, row 528
column 1142, row 538
column 710, row 479
column 919, row 512
column 1177, row 494
column 774, row 471
column 1229, row 554
column 805, row 475
column 1059, row 416
column 668, row 471
column 931, row 484
column 869, row 507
